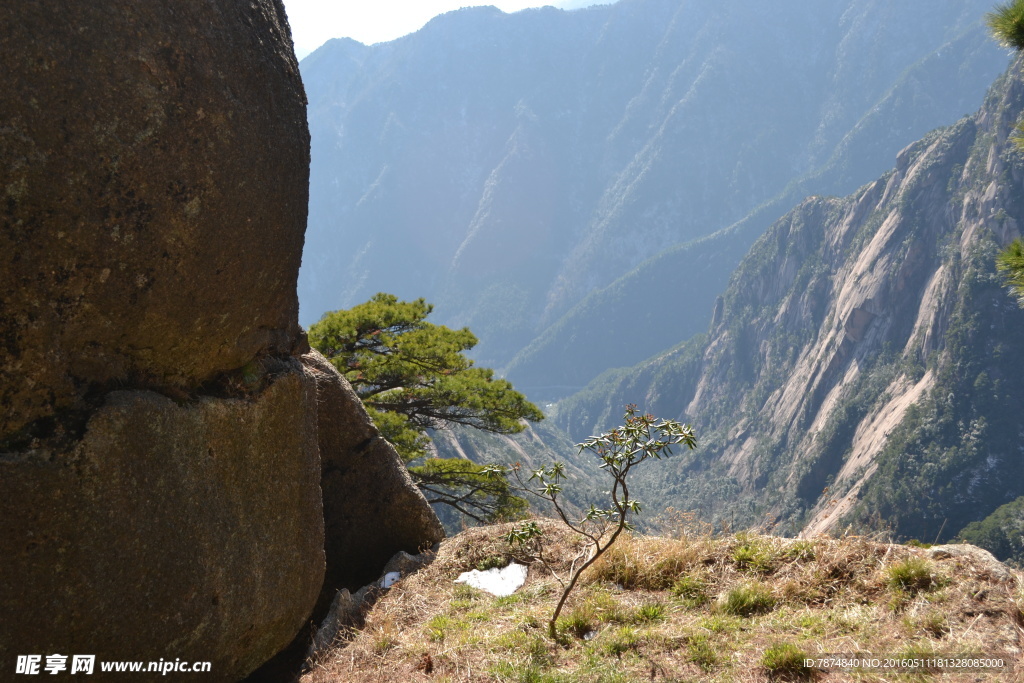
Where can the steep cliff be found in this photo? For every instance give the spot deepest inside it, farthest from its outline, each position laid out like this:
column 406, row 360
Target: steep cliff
column 863, row 364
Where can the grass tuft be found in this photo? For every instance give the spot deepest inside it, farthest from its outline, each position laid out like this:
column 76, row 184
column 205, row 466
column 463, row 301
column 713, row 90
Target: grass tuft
column 785, row 660
column 800, row 551
column 623, row 640
column 579, row 622
column 753, row 555
column 912, row 575
column 748, row 600
column 701, row 651
column 693, row 590
column 492, row 562
column 648, row 613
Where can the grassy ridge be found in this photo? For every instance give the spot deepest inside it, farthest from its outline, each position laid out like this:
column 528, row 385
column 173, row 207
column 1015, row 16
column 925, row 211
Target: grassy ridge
column 691, row 607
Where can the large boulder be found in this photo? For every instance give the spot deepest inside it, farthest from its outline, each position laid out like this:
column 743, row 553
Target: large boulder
column 154, row 165
column 169, row 531
column 372, row 508
column 159, row 466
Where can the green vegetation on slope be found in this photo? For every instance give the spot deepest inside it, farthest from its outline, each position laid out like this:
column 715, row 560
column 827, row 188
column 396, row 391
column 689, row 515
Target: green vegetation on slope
column 837, row 313
column 956, row 454
column 691, row 607
column 1001, row 533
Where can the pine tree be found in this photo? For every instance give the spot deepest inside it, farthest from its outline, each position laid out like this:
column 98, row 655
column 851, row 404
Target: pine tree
column 1007, row 24
column 412, row 376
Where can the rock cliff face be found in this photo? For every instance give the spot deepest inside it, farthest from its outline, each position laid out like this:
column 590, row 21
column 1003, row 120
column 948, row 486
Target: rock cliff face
column 367, row 489
column 159, row 444
column 863, row 363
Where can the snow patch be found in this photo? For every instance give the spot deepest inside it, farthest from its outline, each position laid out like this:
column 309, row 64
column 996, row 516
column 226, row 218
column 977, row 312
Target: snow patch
column 500, row 582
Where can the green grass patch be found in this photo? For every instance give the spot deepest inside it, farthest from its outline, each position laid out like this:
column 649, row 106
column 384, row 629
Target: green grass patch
column 748, row 600
column 439, row 627
column 785, row 660
column 508, row 600
column 492, row 562
column 800, row 551
column 717, row 623
column 912, row 576
column 692, row 590
column 624, row 639
column 578, row 623
column 648, row 613
column 754, row 556
column 702, row 652
column 464, row 595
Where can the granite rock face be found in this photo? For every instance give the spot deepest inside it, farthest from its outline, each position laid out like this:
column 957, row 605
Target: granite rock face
column 159, row 466
column 170, row 531
column 980, row 559
column 370, row 502
column 154, row 161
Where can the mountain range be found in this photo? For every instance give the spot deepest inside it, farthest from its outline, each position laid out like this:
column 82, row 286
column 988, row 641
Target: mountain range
column 863, row 366
column 529, row 173
column 606, row 198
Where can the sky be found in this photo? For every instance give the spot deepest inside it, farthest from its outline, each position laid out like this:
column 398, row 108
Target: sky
column 314, row 22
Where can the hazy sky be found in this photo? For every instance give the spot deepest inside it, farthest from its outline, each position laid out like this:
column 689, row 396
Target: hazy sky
column 373, row 21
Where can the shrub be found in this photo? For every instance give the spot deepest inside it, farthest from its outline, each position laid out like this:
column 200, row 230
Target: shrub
column 643, row 437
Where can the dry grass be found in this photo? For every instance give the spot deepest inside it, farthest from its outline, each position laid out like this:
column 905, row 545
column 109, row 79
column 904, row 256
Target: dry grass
column 672, row 609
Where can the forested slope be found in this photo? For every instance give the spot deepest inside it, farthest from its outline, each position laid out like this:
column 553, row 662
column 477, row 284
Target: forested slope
column 864, row 363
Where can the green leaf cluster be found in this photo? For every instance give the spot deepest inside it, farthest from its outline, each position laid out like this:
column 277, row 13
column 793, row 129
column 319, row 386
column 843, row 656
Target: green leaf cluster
column 524, row 533
column 417, row 372
column 481, row 492
column 1011, row 263
column 1007, row 24
column 413, row 375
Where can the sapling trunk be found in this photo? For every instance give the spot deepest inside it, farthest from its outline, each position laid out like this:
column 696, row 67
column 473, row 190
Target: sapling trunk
column 619, row 450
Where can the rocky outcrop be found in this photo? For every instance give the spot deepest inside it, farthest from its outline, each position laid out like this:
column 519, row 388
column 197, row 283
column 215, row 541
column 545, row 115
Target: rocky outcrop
column 370, row 502
column 159, row 467
column 372, row 511
column 981, row 561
